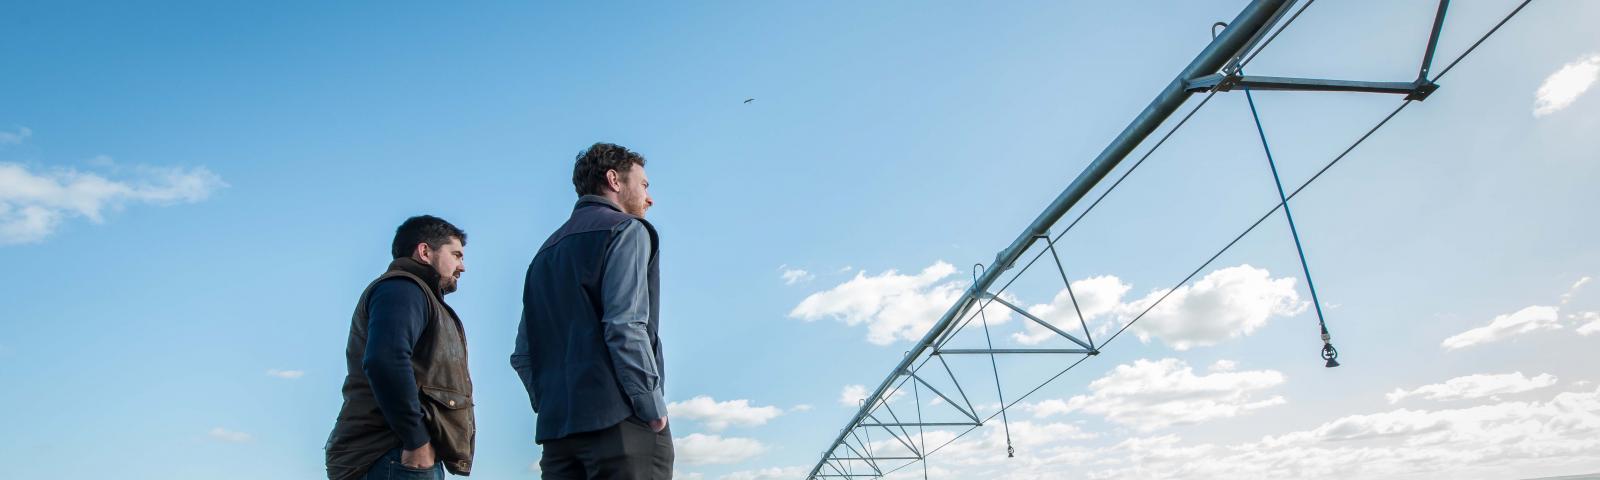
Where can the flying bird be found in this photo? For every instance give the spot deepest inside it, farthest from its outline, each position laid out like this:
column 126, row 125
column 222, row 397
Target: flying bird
column 748, row 100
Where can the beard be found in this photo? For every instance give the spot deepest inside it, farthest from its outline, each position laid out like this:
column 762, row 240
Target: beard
column 447, row 285
column 633, row 206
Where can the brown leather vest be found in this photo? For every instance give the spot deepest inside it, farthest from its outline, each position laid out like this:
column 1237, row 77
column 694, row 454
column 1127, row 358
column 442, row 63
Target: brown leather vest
column 360, row 435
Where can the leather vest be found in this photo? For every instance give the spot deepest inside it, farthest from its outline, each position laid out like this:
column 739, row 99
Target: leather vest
column 361, row 435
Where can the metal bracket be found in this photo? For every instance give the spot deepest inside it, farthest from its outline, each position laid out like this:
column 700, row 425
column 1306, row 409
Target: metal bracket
column 1413, row 90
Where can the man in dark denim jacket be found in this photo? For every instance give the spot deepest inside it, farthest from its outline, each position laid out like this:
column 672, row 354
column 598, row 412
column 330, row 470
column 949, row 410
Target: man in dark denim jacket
column 588, row 348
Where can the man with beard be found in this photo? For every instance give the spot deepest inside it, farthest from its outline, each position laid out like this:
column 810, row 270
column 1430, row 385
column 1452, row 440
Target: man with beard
column 407, row 410
column 588, row 348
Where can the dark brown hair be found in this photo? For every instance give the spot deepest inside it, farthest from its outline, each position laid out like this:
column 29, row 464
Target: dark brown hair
column 589, row 172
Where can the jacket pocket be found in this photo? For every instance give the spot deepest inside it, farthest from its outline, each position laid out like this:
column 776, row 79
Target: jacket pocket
column 448, row 414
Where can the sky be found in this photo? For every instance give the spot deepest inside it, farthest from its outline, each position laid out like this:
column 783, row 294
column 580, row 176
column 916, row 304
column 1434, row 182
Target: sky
column 193, row 195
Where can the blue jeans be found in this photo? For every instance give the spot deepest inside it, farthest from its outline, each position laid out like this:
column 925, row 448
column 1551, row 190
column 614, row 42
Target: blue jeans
column 388, row 467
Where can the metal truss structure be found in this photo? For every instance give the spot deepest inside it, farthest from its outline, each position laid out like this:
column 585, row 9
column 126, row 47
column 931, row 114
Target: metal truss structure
column 925, row 371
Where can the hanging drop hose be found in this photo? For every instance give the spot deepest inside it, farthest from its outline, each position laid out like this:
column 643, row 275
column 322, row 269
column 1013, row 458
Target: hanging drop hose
column 1330, row 354
column 1011, row 452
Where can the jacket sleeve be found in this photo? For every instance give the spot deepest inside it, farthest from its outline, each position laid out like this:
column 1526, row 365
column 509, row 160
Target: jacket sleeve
column 625, row 317
column 396, row 316
column 522, row 361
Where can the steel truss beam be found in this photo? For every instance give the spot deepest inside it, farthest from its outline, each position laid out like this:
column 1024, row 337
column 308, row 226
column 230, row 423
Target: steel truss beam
column 1218, row 68
column 1244, row 30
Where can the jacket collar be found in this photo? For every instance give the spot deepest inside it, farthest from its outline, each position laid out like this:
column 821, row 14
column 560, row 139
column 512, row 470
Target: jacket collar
column 421, row 270
column 596, row 200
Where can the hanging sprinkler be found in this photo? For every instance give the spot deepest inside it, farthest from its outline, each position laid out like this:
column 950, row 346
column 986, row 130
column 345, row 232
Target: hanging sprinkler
column 1330, row 354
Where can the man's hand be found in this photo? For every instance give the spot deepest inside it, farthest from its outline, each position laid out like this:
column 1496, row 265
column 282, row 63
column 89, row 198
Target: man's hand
column 658, row 424
column 422, row 457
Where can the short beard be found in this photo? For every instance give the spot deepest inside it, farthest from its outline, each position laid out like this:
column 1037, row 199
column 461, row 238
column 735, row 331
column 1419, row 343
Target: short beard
column 447, row 286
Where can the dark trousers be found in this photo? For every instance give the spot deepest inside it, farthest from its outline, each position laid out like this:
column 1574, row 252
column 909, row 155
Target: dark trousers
column 625, row 451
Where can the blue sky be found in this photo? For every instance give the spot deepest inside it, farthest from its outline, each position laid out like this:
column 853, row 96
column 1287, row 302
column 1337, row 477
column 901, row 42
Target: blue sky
column 192, row 196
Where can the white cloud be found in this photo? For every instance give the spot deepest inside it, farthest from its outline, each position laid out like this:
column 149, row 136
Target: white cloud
column 1562, row 88
column 1148, row 395
column 1097, row 296
column 1028, row 438
column 286, row 374
column 853, row 395
column 1530, row 319
column 21, row 134
column 33, row 204
column 804, row 407
column 1475, row 386
column 1592, row 327
column 1226, row 303
column 718, row 416
column 792, row 276
column 1573, row 290
column 1224, row 366
column 702, row 449
column 1499, row 440
column 773, row 473
column 225, row 435
column 894, row 306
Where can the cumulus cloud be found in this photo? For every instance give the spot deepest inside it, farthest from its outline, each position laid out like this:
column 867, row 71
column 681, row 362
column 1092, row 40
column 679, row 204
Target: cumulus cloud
column 33, row 204
column 717, row 416
column 1498, row 440
column 1475, row 386
column 1530, row 319
column 792, row 276
column 1562, row 88
column 18, row 136
column 702, row 449
column 1148, row 395
column 1593, row 325
column 1097, row 297
column 225, row 435
column 773, row 473
column 1226, row 303
column 991, row 440
column 804, row 407
column 286, row 374
column 853, row 395
column 892, row 305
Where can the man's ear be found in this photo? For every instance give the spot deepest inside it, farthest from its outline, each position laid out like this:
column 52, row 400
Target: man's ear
column 422, row 252
column 614, row 179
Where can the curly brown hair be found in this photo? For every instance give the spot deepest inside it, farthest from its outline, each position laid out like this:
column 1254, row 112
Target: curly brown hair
column 589, row 174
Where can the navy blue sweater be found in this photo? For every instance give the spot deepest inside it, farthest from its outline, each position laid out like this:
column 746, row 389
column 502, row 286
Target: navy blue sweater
column 397, row 312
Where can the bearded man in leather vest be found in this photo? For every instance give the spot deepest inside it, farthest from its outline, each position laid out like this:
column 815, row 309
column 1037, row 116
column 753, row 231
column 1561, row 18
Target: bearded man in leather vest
column 407, row 410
